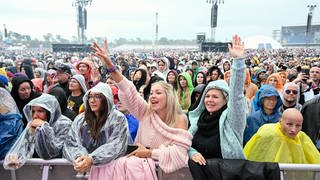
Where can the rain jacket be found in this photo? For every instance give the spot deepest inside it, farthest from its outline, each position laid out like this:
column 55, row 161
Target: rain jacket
column 182, row 99
column 224, row 61
column 233, row 119
column 166, row 67
column 91, row 76
column 11, row 124
column 125, row 71
column 113, row 140
column 16, row 82
column 259, row 118
column 195, row 71
column 48, row 139
column 269, row 144
column 133, row 125
column 311, row 119
column 279, row 84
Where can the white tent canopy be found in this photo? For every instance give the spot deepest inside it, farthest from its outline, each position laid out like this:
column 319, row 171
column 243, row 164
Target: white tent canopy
column 261, row 42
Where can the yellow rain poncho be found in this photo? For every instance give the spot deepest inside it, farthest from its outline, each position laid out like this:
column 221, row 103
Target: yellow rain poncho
column 269, row 144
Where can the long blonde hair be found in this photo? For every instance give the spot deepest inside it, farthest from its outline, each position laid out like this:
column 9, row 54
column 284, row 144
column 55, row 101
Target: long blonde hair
column 173, row 109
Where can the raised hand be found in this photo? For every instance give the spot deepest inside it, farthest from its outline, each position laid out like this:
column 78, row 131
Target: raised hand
column 102, row 53
column 237, row 48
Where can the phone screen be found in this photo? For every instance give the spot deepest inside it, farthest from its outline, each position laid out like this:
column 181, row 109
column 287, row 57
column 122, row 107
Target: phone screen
column 306, row 71
column 131, row 148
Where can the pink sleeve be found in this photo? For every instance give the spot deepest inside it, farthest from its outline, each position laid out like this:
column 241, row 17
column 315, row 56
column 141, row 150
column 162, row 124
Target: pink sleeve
column 171, row 158
column 132, row 100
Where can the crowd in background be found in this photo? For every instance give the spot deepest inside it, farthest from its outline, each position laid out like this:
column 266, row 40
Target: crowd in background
column 258, row 100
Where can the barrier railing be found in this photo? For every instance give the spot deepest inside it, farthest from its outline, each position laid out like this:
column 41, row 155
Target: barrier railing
column 63, row 169
column 299, row 171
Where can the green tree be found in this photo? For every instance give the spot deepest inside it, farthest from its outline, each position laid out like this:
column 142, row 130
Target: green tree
column 163, row 40
column 121, row 41
column 48, row 37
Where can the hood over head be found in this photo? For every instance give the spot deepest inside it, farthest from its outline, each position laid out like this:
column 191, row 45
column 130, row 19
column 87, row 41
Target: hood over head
column 47, row 102
column 16, row 81
column 269, row 91
column 105, row 90
column 7, row 103
column 218, row 84
column 81, row 81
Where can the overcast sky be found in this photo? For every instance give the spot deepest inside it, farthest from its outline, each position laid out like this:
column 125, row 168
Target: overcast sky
column 178, row 19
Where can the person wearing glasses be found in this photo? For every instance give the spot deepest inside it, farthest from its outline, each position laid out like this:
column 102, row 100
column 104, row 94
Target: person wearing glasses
column 290, row 97
column 99, row 134
column 162, row 134
column 78, row 88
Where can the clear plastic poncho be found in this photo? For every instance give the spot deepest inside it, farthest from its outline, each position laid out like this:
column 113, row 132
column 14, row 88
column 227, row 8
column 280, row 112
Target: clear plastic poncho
column 47, row 142
column 113, row 138
column 11, row 124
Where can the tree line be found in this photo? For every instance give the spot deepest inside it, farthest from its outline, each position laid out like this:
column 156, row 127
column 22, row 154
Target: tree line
column 18, row 39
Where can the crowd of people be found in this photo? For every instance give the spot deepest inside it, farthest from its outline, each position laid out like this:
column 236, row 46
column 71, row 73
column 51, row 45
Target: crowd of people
column 117, row 114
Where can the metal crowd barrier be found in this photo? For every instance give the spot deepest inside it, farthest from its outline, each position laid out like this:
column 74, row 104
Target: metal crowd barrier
column 299, row 171
column 61, row 169
column 55, row 169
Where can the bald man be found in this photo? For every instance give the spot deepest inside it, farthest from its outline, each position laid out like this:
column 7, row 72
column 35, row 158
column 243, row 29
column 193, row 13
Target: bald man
column 291, row 122
column 283, row 142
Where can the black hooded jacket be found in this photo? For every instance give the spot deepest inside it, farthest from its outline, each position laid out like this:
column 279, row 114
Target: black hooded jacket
column 311, row 118
column 16, row 82
column 215, row 68
column 125, row 71
column 142, row 81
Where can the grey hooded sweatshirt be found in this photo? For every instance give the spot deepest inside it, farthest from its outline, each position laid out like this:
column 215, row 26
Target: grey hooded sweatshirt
column 48, row 139
column 113, row 138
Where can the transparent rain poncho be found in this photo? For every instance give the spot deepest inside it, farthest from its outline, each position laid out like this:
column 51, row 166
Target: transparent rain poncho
column 48, row 139
column 11, row 124
column 113, row 137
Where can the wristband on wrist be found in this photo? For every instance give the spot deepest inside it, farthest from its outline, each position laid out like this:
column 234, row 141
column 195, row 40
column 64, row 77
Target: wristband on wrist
column 112, row 69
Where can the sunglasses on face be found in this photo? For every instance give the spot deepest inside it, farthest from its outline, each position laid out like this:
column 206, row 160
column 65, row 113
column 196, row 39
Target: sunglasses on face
column 291, row 91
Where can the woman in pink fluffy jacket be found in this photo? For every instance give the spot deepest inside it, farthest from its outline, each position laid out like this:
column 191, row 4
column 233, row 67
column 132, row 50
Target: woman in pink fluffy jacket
column 162, row 135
